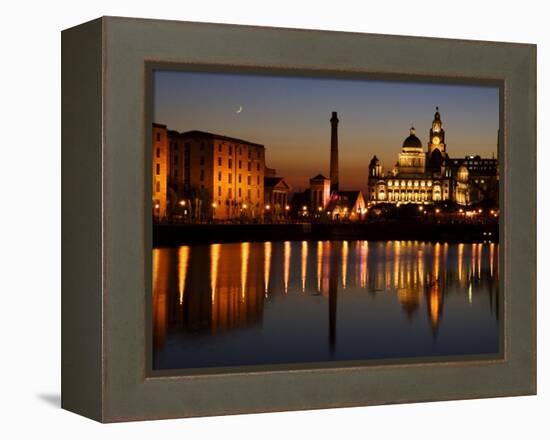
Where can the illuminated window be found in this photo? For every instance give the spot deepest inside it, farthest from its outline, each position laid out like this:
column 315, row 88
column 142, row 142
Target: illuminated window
column 240, row 178
column 158, row 187
column 230, row 163
column 229, row 178
column 158, row 152
column 249, row 166
column 240, row 163
column 220, row 176
column 249, row 179
column 158, row 169
column 219, row 161
column 219, row 190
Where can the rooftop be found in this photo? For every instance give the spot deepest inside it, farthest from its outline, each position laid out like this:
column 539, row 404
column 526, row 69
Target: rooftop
column 207, row 135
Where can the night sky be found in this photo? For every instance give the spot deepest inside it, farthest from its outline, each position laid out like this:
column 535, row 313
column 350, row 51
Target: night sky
column 290, row 116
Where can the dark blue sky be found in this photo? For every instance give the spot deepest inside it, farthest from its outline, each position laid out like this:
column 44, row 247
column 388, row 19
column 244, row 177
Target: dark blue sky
column 290, row 116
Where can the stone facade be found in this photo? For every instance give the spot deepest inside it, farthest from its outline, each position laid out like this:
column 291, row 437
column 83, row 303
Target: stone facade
column 427, row 177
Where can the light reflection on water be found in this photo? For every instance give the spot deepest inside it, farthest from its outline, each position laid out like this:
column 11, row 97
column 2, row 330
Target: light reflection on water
column 293, row 302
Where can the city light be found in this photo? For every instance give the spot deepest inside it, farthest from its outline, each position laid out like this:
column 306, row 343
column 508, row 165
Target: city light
column 182, row 202
column 267, row 207
column 244, row 206
column 420, row 208
column 287, row 207
column 157, row 206
column 304, row 208
column 319, row 208
column 214, row 205
column 437, row 210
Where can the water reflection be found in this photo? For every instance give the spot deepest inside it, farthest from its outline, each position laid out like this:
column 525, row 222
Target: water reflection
column 273, row 302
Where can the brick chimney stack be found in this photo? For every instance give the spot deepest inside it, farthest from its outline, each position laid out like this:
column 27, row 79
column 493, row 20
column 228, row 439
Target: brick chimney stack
column 334, row 153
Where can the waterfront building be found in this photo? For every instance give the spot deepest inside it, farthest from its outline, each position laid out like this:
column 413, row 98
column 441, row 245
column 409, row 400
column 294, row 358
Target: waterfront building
column 347, row 205
column 319, row 192
column 427, row 177
column 176, row 181
column 276, row 196
column 201, row 175
column 161, row 157
column 323, row 197
column 225, row 173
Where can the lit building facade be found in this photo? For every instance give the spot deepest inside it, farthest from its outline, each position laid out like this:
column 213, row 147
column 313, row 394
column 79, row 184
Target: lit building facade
column 276, row 196
column 319, row 192
column 160, row 172
column 426, row 177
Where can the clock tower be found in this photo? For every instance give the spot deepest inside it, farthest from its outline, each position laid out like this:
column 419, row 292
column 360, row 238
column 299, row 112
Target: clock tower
column 437, row 135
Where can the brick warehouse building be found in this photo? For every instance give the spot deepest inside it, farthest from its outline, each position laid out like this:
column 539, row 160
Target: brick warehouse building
column 206, row 175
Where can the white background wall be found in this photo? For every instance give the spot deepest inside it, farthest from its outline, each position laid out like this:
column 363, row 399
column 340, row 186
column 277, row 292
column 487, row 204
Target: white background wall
column 30, row 217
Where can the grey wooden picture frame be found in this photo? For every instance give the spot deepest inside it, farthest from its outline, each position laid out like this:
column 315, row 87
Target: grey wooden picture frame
column 106, row 226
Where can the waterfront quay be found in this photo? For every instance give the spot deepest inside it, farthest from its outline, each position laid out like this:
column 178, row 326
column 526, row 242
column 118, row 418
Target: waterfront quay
column 179, row 234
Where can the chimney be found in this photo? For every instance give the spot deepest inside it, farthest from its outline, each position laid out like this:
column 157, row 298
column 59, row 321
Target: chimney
column 334, row 153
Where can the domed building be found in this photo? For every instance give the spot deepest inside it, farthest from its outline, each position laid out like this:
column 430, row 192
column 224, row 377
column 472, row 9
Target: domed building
column 425, row 177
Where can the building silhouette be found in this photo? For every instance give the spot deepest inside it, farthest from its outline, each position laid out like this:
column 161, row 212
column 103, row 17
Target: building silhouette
column 200, row 176
column 427, row 177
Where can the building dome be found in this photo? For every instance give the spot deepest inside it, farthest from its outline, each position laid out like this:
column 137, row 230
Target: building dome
column 412, row 141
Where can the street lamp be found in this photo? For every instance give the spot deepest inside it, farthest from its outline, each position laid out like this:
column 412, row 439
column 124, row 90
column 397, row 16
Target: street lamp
column 157, row 211
column 182, row 202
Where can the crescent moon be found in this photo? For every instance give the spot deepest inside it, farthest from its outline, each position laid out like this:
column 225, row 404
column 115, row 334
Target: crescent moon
column 240, row 109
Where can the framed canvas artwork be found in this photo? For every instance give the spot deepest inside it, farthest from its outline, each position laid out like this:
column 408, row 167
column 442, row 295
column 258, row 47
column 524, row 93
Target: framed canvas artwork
column 262, row 219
